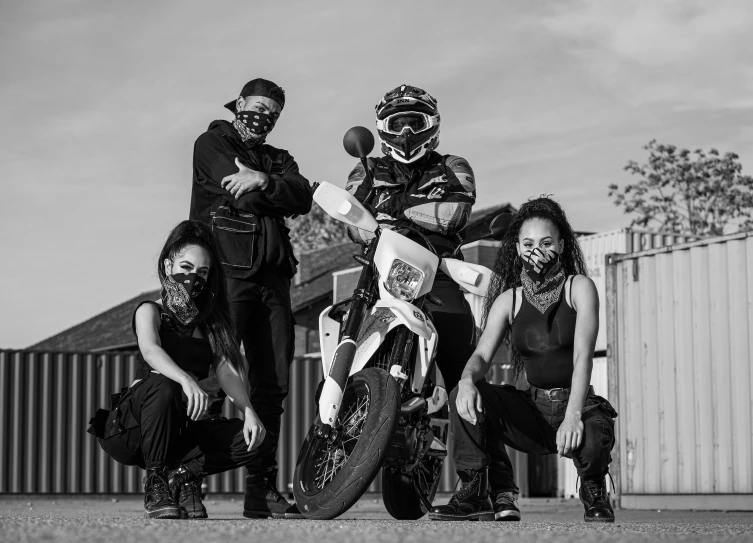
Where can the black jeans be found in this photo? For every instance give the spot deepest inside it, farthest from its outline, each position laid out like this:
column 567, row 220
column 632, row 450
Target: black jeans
column 263, row 319
column 528, row 424
column 165, row 437
column 456, row 330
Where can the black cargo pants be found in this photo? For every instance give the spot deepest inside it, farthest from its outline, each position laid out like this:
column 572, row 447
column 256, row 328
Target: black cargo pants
column 150, row 428
column 455, row 327
column 261, row 312
column 527, row 420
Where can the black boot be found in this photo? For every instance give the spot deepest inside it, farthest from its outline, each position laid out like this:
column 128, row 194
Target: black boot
column 158, row 503
column 470, row 502
column 263, row 500
column 506, row 506
column 593, row 493
column 186, row 491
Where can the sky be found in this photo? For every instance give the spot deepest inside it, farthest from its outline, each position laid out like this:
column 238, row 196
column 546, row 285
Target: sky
column 100, row 103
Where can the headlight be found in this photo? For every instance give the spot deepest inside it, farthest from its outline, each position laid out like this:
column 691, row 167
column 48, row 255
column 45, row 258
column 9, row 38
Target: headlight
column 403, row 281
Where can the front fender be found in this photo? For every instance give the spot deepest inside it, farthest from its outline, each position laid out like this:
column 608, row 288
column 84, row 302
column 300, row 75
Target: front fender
column 385, row 316
column 329, row 330
column 408, row 314
column 374, row 329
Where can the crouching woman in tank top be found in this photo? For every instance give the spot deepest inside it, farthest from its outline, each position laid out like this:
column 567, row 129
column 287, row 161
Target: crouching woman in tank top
column 548, row 311
column 162, row 422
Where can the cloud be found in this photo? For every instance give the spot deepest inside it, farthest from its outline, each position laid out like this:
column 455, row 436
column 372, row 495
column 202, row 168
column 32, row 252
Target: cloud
column 688, row 54
column 101, row 103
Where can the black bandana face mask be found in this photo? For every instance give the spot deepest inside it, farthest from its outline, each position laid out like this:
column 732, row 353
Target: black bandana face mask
column 542, row 278
column 178, row 293
column 254, row 125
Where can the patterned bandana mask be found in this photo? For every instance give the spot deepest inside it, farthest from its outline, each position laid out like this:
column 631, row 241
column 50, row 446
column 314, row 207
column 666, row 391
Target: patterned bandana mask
column 542, row 277
column 178, row 293
column 253, row 125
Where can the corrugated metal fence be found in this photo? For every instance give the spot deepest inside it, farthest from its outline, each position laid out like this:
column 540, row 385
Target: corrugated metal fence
column 681, row 337
column 46, row 400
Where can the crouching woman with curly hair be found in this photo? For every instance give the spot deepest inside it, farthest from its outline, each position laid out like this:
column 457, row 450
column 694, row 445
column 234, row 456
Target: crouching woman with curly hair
column 542, row 304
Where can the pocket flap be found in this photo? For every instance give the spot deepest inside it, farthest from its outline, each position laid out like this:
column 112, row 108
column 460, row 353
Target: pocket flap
column 226, row 218
column 598, row 402
column 112, row 425
column 97, row 423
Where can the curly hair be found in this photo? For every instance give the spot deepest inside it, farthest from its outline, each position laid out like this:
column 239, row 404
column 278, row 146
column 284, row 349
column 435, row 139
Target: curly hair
column 507, row 265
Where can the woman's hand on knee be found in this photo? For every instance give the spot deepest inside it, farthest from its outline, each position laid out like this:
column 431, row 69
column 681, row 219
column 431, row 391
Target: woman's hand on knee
column 198, row 400
column 569, row 435
column 253, row 429
column 468, row 401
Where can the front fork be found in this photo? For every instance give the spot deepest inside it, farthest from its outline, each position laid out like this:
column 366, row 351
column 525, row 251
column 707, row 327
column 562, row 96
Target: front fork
column 330, row 399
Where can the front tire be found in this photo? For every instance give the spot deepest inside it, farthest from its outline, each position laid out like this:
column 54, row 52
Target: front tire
column 331, row 475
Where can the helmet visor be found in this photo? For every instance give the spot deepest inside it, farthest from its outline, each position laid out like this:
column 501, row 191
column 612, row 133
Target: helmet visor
column 414, row 121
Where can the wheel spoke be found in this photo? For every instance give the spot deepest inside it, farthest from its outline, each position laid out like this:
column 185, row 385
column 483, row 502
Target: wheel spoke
column 337, row 453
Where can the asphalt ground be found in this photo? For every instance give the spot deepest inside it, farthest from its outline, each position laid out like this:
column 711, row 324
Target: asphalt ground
column 116, row 519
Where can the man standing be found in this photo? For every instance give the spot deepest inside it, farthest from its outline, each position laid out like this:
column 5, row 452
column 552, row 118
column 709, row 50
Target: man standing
column 244, row 189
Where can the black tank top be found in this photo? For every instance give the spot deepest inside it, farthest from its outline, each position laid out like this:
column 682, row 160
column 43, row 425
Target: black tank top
column 548, row 356
column 191, row 354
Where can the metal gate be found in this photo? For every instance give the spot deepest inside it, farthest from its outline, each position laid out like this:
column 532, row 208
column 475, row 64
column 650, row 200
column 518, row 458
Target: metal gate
column 680, row 329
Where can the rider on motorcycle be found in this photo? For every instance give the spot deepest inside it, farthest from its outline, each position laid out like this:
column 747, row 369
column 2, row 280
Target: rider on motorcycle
column 415, row 186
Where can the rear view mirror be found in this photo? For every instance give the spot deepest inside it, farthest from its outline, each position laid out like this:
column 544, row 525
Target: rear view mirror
column 499, row 225
column 358, row 142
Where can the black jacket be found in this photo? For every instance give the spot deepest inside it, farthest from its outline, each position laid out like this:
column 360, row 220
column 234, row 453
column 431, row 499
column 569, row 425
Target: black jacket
column 250, row 232
column 435, row 195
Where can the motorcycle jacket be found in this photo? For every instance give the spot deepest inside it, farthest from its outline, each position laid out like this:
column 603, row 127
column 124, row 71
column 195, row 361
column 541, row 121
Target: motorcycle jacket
column 434, row 194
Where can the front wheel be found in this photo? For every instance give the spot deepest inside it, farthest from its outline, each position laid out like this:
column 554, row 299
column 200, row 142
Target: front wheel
column 332, row 474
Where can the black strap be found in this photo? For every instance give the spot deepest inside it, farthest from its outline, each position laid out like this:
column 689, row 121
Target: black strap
column 570, row 290
column 512, row 314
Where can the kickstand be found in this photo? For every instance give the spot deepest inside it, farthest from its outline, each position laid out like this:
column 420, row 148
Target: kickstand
column 424, row 499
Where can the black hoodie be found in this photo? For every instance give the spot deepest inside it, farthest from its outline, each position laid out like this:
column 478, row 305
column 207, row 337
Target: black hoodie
column 250, row 231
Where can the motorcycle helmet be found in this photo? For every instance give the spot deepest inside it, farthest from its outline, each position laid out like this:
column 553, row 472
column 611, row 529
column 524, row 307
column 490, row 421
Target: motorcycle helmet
column 407, row 120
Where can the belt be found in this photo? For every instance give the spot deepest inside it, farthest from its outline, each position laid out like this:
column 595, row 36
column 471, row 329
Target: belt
column 556, row 394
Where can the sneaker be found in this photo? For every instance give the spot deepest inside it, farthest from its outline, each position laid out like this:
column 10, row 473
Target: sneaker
column 186, row 491
column 158, row 502
column 470, row 501
column 593, row 493
column 263, row 500
column 506, row 506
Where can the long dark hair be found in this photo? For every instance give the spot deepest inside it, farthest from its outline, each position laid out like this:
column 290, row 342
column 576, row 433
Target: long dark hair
column 507, row 266
column 212, row 302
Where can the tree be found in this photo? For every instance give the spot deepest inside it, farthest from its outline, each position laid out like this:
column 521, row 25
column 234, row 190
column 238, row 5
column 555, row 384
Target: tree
column 316, row 230
column 703, row 193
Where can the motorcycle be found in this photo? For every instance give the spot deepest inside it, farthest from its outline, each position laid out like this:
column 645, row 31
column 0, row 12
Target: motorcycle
column 383, row 402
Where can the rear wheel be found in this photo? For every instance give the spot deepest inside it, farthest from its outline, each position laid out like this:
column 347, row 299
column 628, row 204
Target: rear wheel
column 402, row 492
column 332, row 474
